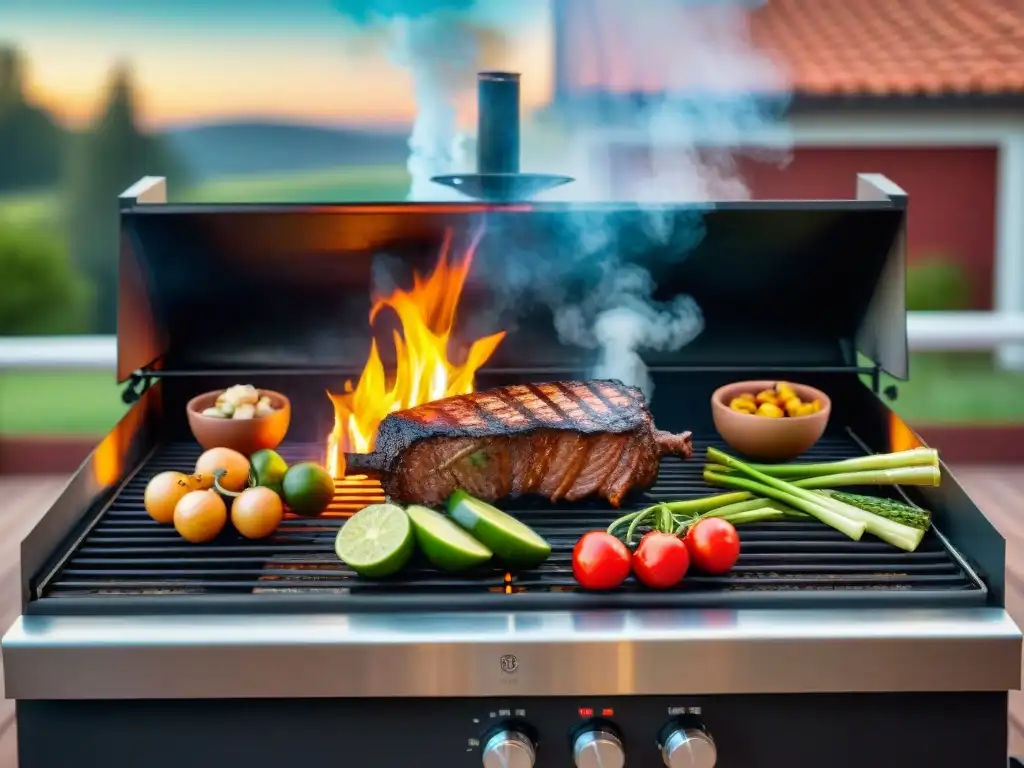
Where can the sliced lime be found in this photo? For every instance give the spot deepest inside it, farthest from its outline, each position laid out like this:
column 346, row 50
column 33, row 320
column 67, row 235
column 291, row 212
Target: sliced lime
column 377, row 541
column 445, row 545
column 512, row 541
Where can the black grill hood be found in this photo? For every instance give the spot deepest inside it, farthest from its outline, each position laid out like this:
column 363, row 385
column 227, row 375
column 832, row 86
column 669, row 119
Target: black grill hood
column 273, row 287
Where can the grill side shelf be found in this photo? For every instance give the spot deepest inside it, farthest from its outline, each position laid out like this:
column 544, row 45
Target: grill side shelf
column 127, row 562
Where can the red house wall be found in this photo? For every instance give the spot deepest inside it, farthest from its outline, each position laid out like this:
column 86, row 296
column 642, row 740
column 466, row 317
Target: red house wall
column 952, row 195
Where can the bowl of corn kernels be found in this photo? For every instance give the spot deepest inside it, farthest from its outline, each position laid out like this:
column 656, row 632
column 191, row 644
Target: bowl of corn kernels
column 770, row 420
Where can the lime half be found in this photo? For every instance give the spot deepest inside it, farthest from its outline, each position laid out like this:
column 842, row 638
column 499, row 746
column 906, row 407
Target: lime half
column 377, row 541
column 445, row 545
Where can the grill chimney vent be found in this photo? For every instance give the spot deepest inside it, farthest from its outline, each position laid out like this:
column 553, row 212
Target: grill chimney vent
column 497, row 177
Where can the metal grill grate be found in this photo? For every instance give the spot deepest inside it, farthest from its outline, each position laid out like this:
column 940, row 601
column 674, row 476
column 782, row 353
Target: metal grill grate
column 125, row 553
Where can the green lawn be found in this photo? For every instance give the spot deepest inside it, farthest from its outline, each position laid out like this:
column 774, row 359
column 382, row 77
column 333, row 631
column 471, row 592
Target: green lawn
column 945, row 389
column 343, row 184
column 51, row 403
column 959, row 388
column 29, row 209
column 347, row 184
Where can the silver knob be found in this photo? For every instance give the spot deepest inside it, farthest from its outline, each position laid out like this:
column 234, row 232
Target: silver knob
column 509, row 749
column 689, row 748
column 598, row 749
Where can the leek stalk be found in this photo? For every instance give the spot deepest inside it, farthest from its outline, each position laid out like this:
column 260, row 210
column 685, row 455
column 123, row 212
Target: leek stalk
column 916, row 457
column 918, row 475
column 760, row 484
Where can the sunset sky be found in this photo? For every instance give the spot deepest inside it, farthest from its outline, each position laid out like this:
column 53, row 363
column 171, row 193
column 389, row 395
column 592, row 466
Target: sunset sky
column 199, row 61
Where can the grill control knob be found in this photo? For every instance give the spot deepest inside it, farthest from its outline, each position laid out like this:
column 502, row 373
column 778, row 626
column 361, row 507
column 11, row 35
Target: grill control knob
column 509, row 749
column 689, row 747
column 598, row 748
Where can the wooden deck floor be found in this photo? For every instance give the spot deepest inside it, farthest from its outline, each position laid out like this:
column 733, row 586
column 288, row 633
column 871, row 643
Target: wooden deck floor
column 22, row 501
column 999, row 491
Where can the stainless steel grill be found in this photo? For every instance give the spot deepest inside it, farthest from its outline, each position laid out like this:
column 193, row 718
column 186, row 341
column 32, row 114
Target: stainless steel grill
column 815, row 650
column 125, row 553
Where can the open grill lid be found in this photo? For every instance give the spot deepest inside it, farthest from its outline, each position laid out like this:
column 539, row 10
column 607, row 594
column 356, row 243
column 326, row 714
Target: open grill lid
column 272, row 287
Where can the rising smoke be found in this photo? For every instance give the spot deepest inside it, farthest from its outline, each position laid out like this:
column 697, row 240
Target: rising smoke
column 620, row 318
column 714, row 98
column 436, row 42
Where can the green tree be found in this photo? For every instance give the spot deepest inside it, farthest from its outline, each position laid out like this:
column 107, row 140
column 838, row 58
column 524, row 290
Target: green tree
column 40, row 292
column 32, row 142
column 103, row 162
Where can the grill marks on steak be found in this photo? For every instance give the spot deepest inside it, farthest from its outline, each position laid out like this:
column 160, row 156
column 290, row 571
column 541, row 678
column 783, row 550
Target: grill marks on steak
column 562, row 440
column 582, row 406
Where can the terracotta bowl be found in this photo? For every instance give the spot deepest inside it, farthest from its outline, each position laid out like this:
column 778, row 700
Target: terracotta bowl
column 243, row 435
column 765, row 439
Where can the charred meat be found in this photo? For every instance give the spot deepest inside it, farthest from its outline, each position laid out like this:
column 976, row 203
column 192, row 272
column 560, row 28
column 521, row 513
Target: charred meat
column 563, row 440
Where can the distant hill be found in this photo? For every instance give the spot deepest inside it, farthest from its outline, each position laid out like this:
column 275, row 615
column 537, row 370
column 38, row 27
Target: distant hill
column 242, row 148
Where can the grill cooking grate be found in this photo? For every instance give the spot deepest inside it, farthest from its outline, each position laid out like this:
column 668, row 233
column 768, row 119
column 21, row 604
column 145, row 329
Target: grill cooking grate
column 125, row 553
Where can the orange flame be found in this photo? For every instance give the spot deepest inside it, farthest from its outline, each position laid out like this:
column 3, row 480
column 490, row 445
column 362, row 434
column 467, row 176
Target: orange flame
column 423, row 370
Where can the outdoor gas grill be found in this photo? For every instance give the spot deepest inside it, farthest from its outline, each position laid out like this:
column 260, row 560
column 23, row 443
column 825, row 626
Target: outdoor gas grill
column 138, row 649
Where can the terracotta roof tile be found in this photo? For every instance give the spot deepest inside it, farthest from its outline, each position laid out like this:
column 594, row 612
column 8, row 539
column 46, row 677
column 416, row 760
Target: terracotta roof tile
column 821, row 47
column 909, row 46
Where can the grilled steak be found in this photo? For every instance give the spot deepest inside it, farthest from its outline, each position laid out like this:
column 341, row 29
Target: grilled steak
column 562, row 440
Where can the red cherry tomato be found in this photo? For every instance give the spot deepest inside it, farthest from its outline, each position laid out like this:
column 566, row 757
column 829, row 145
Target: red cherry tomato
column 714, row 545
column 600, row 561
column 661, row 560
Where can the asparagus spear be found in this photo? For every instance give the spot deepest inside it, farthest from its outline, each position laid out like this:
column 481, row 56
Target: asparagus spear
column 897, row 511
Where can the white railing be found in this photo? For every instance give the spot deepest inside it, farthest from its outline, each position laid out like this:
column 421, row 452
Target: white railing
column 963, row 331
column 67, row 353
column 950, row 331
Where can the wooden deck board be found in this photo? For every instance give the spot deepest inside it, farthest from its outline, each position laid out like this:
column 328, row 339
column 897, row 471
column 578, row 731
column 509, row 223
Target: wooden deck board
column 23, row 500
column 999, row 491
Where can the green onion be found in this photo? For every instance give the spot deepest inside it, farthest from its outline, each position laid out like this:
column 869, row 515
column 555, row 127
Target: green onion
column 905, row 537
column 760, row 484
column 759, row 515
column 916, row 457
column 900, row 476
column 899, row 535
column 739, row 506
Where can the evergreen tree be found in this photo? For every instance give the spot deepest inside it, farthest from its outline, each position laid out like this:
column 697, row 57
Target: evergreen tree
column 32, row 143
column 106, row 160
